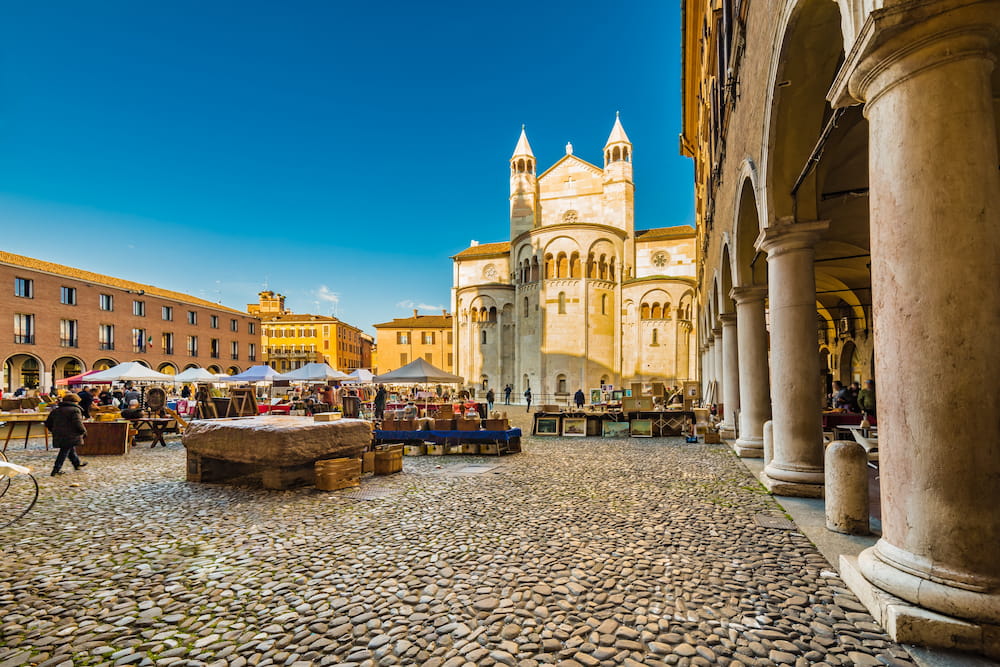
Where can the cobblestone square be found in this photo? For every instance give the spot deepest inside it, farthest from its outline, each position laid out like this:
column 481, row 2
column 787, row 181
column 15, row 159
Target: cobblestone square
column 576, row 552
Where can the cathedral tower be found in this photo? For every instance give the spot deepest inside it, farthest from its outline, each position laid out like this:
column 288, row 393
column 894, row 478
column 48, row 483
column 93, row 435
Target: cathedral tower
column 523, row 188
column 619, row 188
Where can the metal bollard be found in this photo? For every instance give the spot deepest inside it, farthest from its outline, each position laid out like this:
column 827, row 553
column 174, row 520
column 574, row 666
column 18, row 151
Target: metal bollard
column 768, row 442
column 847, row 488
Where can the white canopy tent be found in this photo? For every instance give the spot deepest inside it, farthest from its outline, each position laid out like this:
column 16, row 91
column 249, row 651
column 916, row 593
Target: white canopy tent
column 260, row 373
column 195, row 375
column 418, row 371
column 313, row 372
column 130, row 371
column 360, row 376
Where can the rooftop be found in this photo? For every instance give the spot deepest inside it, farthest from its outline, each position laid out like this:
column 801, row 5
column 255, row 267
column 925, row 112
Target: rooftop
column 485, row 249
column 418, row 321
column 100, row 279
column 679, row 232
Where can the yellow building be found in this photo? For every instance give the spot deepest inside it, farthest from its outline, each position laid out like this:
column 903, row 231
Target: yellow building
column 404, row 339
column 290, row 340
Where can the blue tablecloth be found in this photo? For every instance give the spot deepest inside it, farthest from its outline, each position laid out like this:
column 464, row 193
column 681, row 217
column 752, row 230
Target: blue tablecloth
column 442, row 437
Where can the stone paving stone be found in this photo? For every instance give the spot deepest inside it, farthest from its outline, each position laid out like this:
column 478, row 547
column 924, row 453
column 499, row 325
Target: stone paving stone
column 576, row 552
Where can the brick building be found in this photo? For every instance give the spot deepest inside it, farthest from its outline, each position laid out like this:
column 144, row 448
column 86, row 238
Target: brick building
column 67, row 321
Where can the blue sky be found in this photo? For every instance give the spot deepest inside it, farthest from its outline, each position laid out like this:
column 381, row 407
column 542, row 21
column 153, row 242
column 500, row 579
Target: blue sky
column 338, row 152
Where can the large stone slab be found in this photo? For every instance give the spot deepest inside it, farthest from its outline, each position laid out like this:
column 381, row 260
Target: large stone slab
column 282, row 450
column 277, row 439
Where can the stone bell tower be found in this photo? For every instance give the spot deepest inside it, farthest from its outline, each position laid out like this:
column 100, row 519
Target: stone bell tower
column 523, row 188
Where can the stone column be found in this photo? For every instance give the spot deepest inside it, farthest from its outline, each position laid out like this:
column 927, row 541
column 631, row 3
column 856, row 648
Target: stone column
column 935, row 215
column 730, row 375
column 755, row 391
column 797, row 466
column 709, row 366
column 717, row 363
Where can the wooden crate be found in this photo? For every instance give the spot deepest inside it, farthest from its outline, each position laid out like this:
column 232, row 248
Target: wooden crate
column 414, row 450
column 489, row 448
column 470, row 448
column 496, row 424
column 367, row 462
column 389, row 461
column 333, row 474
column 444, row 424
column 713, row 438
column 435, row 450
column 327, row 416
column 467, row 424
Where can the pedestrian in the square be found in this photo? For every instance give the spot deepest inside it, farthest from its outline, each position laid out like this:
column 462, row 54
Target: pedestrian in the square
column 506, row 394
column 527, row 399
column 66, row 424
column 85, row 400
column 579, row 399
column 490, row 397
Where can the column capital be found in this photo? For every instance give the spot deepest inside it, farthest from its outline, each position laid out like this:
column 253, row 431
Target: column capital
column 898, row 42
column 743, row 295
column 728, row 319
column 786, row 235
column 717, row 332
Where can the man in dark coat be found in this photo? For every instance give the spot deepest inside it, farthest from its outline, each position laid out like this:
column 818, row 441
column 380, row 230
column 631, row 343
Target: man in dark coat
column 490, row 397
column 579, row 398
column 381, row 396
column 85, row 399
column 506, row 394
column 66, row 424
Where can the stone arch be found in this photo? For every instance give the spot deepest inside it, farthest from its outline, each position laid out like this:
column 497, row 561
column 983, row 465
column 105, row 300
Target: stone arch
column 167, row 368
column 105, row 363
column 726, row 303
column 561, row 384
column 67, row 366
column 749, row 269
column 22, row 370
column 574, row 265
column 233, row 370
column 802, row 69
column 214, row 369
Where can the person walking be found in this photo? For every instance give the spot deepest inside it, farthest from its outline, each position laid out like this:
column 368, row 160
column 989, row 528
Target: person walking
column 490, row 397
column 66, row 424
column 579, row 399
column 506, row 394
column 866, row 398
column 527, row 398
column 85, row 399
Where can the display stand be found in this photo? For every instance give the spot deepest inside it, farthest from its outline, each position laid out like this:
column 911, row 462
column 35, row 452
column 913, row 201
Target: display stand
column 242, row 402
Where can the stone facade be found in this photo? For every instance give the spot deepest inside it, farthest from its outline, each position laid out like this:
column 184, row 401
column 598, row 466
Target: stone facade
column 577, row 297
column 848, row 206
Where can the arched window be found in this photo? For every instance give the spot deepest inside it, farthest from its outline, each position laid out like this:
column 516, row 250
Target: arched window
column 574, row 265
column 602, row 268
column 482, row 335
column 644, row 311
column 616, row 154
column 657, row 313
column 604, row 304
column 562, row 267
column 560, row 384
column 525, row 306
column 611, row 269
column 534, row 269
column 484, row 381
column 493, row 314
column 562, row 303
column 666, row 310
column 550, row 267
column 656, row 337
column 604, row 380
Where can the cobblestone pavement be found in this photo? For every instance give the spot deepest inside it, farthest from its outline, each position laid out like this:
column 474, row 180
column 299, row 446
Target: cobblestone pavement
column 576, row 552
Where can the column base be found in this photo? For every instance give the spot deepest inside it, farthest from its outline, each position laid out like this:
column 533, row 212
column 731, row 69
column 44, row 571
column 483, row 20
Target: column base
column 790, row 480
column 909, row 624
column 727, row 431
column 780, row 487
column 749, row 448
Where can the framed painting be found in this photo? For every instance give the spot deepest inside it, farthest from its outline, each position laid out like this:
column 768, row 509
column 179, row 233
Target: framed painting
column 547, row 426
column 617, row 395
column 596, row 396
column 612, row 429
column 575, row 426
column 641, row 428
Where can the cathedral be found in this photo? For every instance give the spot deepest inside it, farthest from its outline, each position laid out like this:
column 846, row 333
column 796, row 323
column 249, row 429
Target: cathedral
column 577, row 298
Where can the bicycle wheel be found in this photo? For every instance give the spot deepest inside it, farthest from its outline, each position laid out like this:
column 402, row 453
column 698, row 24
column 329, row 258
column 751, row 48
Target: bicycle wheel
column 18, row 494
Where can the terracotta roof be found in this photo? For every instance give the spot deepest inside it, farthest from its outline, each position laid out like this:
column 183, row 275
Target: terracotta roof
column 297, row 317
column 80, row 274
column 485, row 249
column 418, row 322
column 679, row 232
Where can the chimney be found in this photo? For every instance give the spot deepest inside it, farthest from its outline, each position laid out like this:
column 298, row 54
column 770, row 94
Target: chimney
column 415, row 311
column 444, row 311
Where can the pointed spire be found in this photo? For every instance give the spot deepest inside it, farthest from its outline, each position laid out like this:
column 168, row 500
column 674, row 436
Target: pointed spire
column 618, row 135
column 523, row 148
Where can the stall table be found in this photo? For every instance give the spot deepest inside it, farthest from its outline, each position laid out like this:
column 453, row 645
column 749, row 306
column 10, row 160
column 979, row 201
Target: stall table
column 105, row 438
column 507, row 441
column 28, row 419
column 666, row 423
column 157, row 425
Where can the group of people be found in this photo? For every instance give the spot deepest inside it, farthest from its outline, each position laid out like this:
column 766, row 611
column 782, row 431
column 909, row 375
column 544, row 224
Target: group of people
column 853, row 398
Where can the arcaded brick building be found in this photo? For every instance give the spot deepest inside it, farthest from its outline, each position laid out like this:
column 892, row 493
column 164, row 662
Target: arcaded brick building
column 67, row 321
